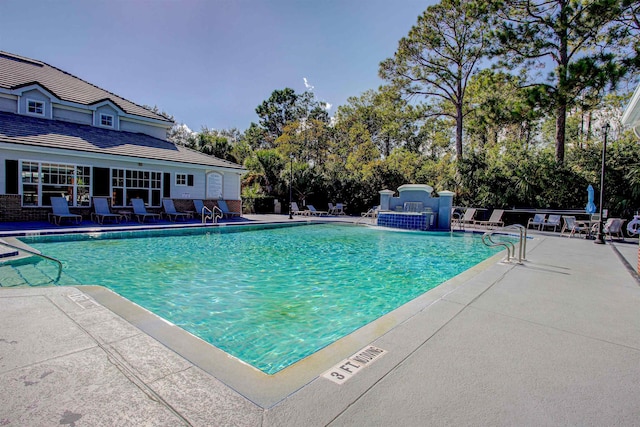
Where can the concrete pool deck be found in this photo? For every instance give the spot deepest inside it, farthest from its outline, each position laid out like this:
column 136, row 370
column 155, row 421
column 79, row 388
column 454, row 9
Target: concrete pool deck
column 554, row 341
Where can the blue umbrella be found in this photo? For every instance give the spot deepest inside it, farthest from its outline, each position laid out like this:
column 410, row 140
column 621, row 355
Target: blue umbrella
column 591, row 207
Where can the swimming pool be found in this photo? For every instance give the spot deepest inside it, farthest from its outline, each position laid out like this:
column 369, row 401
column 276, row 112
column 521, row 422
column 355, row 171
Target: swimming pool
column 269, row 297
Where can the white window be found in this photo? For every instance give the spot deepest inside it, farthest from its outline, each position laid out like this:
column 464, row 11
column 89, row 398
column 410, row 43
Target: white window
column 106, row 120
column 127, row 184
column 182, row 179
column 35, row 107
column 41, row 181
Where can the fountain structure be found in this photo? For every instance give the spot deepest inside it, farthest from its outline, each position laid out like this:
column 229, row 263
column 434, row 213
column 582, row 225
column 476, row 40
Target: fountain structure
column 415, row 209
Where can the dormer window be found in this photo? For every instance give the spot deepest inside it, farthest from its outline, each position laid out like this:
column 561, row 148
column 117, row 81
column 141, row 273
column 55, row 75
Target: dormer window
column 106, row 120
column 35, row 107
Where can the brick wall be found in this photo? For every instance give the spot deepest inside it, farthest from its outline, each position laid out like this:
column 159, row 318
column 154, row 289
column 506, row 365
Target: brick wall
column 11, row 211
column 235, row 205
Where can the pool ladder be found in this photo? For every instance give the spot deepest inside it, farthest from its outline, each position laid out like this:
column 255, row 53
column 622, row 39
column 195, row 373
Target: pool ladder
column 487, row 239
column 33, row 252
column 213, row 214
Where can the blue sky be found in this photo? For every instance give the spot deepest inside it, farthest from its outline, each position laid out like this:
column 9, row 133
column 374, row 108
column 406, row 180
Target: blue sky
column 212, row 62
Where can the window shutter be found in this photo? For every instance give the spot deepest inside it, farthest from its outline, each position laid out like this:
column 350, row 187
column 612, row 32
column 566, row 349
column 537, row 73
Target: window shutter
column 166, row 185
column 11, row 176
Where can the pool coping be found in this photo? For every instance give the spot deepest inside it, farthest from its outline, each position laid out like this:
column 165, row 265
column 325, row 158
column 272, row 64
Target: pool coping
column 263, row 389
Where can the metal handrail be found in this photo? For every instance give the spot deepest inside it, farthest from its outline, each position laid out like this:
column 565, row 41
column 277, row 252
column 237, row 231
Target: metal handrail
column 458, row 216
column 371, row 214
column 213, row 214
column 522, row 242
column 508, row 245
column 216, row 215
column 29, row 251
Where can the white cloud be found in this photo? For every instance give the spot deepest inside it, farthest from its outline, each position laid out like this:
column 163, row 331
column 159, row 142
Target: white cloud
column 327, row 106
column 306, row 84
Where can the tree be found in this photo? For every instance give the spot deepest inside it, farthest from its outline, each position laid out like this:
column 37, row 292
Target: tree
column 579, row 38
column 215, row 143
column 181, row 134
column 500, row 109
column 437, row 58
column 284, row 107
column 280, row 109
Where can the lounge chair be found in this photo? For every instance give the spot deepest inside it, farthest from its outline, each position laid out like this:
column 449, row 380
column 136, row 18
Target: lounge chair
column 613, row 227
column 572, row 226
column 296, row 211
column 552, row 221
column 494, row 220
column 332, row 209
column 171, row 212
column 102, row 211
column 314, row 211
column 225, row 209
column 60, row 208
column 537, row 220
column 339, row 209
column 467, row 218
column 140, row 211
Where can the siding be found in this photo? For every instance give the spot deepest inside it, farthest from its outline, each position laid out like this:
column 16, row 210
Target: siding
column 83, row 118
column 155, row 131
column 9, row 105
column 231, row 186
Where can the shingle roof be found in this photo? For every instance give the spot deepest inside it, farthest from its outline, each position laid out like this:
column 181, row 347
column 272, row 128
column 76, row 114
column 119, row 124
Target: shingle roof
column 33, row 131
column 17, row 71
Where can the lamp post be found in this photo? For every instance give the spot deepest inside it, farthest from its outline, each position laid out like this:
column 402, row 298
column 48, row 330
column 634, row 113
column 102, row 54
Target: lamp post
column 290, row 182
column 600, row 237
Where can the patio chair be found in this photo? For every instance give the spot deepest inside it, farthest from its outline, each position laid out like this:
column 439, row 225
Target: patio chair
column 339, row 210
column 552, row 221
column 60, row 208
column 572, row 226
column 537, row 220
column 613, row 227
column 171, row 212
column 102, row 211
column 494, row 220
column 467, row 218
column 296, row 211
column 314, row 211
column 225, row 209
column 140, row 211
column 332, row 209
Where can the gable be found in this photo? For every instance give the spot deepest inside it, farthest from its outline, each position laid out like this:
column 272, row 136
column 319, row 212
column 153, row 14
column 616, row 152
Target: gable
column 17, row 73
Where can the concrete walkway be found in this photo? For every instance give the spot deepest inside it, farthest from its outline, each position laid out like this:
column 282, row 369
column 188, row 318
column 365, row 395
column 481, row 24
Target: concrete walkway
column 555, row 341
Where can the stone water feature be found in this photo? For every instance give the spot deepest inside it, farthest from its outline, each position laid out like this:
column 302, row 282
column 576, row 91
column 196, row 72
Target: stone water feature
column 415, row 208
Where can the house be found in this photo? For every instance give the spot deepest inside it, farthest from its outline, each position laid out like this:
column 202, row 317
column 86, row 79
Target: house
column 62, row 136
column 631, row 116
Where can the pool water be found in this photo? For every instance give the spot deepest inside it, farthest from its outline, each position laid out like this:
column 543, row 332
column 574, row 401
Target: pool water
column 270, row 296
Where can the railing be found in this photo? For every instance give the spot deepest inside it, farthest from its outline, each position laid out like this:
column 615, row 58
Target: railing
column 213, row 214
column 456, row 217
column 371, row 214
column 29, row 251
column 509, row 246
